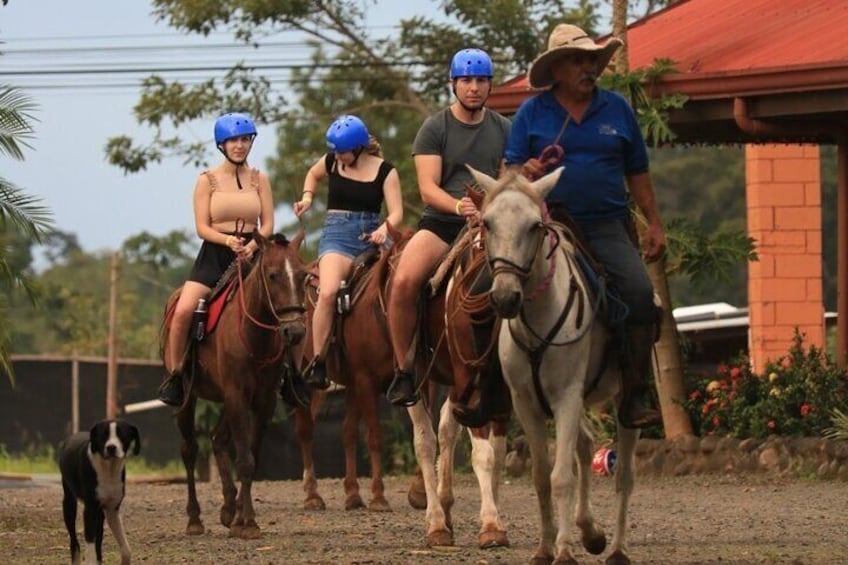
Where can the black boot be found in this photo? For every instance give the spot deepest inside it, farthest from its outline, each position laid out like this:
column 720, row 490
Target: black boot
column 637, row 408
column 293, row 388
column 171, row 390
column 316, row 374
column 402, row 391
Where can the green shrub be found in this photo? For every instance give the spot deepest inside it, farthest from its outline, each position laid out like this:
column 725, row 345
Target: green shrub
column 795, row 396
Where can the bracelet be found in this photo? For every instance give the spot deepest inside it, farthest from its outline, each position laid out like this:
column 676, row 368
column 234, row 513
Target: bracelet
column 228, row 242
column 458, row 207
column 307, row 195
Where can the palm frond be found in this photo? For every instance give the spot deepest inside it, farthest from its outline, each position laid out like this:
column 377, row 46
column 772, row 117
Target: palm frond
column 23, row 212
column 16, row 117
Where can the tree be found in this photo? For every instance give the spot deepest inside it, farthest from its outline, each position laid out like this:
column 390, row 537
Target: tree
column 21, row 215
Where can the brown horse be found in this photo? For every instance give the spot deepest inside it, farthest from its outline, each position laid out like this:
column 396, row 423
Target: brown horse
column 240, row 364
column 362, row 361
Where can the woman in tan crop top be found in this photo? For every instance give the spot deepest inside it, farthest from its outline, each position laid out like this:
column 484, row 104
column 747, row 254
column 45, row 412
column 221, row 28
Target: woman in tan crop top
column 359, row 182
column 230, row 200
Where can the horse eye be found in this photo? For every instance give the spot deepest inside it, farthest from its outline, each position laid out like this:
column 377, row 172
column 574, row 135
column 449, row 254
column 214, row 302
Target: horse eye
column 274, row 276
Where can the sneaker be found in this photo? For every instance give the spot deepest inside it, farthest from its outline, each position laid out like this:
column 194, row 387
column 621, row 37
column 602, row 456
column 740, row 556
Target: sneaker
column 402, row 391
column 316, row 374
column 171, row 390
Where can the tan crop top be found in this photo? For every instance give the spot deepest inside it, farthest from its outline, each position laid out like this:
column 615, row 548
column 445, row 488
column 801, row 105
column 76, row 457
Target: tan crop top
column 226, row 207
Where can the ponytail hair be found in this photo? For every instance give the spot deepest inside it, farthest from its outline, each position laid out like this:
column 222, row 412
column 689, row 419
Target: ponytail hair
column 374, row 147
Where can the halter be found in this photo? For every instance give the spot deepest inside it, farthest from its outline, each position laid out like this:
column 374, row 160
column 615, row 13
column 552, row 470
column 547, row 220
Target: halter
column 283, row 315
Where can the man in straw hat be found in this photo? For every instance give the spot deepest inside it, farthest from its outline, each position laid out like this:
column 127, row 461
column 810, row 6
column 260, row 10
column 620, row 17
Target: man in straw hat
column 594, row 134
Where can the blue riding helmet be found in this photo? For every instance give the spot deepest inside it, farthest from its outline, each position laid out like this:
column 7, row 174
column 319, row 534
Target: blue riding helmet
column 471, row 63
column 233, row 125
column 347, row 133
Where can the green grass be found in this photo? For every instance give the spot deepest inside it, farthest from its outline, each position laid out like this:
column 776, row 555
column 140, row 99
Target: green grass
column 42, row 460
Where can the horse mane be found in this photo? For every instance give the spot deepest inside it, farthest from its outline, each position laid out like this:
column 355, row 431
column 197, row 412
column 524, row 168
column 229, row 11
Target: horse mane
column 279, row 239
column 512, row 180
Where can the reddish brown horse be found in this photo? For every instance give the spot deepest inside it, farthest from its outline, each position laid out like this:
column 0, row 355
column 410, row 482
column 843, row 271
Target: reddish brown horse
column 362, row 361
column 239, row 364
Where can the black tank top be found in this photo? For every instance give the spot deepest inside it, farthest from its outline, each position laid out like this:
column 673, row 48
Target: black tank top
column 355, row 195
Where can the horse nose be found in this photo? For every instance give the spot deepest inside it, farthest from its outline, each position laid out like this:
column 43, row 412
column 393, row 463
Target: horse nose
column 111, row 451
column 294, row 332
column 507, row 303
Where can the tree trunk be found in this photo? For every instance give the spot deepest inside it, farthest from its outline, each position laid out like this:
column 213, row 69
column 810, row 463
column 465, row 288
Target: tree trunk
column 668, row 369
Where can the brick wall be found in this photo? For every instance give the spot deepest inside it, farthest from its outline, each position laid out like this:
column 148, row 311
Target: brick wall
column 784, row 216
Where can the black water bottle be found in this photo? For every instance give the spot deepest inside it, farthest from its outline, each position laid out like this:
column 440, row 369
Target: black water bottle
column 199, row 320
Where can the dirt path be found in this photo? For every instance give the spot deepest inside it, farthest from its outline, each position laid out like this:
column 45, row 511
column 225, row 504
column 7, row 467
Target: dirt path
column 701, row 519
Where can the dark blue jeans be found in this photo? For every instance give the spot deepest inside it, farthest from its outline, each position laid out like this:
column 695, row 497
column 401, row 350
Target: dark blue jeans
column 611, row 246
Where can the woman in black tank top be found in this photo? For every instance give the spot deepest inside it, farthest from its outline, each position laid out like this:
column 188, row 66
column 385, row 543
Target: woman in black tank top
column 359, row 182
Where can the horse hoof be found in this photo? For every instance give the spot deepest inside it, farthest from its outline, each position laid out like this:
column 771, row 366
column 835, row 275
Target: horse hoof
column 543, row 559
column 440, row 538
column 245, row 532
column 379, row 505
column 565, row 560
column 354, row 502
column 617, row 557
column 195, row 528
column 417, row 499
column 493, row 538
column 314, row 503
column 595, row 542
column 227, row 515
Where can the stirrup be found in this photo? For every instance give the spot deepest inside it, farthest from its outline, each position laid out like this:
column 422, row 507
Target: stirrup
column 402, row 390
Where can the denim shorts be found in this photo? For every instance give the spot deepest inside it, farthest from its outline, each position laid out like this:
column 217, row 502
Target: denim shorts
column 345, row 232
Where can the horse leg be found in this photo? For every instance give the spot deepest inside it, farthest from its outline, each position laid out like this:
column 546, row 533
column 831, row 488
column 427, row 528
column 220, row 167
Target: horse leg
column 424, row 442
column 567, row 414
column 497, row 438
column 448, row 428
column 304, row 425
column 366, row 398
column 188, row 451
column 532, row 421
column 242, row 426
column 220, row 447
column 624, row 481
column 483, row 457
column 350, row 436
column 591, row 535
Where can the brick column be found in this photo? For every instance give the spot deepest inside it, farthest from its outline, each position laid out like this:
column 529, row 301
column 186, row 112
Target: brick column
column 783, row 190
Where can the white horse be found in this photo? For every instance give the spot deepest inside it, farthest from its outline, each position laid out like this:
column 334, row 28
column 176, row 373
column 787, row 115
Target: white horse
column 552, row 346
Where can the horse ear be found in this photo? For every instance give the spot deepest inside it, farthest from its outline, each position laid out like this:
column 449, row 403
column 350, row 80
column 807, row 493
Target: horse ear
column 298, row 239
column 484, row 181
column 545, row 184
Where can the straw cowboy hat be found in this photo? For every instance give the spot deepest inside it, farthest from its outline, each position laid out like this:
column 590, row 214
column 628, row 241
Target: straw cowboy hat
column 566, row 39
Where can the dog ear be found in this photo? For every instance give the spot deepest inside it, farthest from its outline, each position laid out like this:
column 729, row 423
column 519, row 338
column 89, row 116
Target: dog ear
column 96, row 437
column 136, row 438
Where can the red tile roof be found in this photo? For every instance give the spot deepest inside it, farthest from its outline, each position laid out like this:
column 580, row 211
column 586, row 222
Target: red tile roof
column 733, row 47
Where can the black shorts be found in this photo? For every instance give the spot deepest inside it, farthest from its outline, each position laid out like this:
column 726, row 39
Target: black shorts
column 212, row 262
column 446, row 231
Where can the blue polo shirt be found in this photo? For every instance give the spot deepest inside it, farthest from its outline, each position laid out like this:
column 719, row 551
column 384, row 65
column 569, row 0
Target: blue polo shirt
column 599, row 152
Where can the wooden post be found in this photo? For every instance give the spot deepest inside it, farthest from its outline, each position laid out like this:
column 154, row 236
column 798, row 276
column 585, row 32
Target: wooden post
column 112, row 342
column 75, row 392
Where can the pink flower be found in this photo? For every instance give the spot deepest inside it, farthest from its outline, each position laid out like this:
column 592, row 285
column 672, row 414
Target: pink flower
column 735, row 372
column 771, row 424
column 806, row 409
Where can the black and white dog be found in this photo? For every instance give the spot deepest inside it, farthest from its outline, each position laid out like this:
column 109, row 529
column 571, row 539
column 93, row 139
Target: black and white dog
column 92, row 466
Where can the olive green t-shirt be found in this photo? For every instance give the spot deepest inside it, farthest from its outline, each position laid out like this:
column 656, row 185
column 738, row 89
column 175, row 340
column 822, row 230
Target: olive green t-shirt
column 479, row 145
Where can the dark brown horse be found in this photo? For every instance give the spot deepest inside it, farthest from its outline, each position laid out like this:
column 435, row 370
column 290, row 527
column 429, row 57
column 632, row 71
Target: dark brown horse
column 239, row 364
column 362, row 361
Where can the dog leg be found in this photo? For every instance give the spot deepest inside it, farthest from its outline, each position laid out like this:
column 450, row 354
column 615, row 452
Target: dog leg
column 117, row 527
column 93, row 518
column 69, row 510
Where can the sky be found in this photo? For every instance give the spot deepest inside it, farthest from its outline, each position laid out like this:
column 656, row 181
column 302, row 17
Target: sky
column 77, row 114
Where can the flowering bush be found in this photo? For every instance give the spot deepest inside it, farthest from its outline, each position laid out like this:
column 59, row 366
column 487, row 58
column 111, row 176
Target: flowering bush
column 795, row 396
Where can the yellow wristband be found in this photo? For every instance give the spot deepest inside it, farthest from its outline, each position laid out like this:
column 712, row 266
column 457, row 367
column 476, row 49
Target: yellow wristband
column 307, row 196
column 228, row 241
column 459, row 207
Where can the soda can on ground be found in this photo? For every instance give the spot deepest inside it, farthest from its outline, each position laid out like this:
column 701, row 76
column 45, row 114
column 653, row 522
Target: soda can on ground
column 603, row 462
